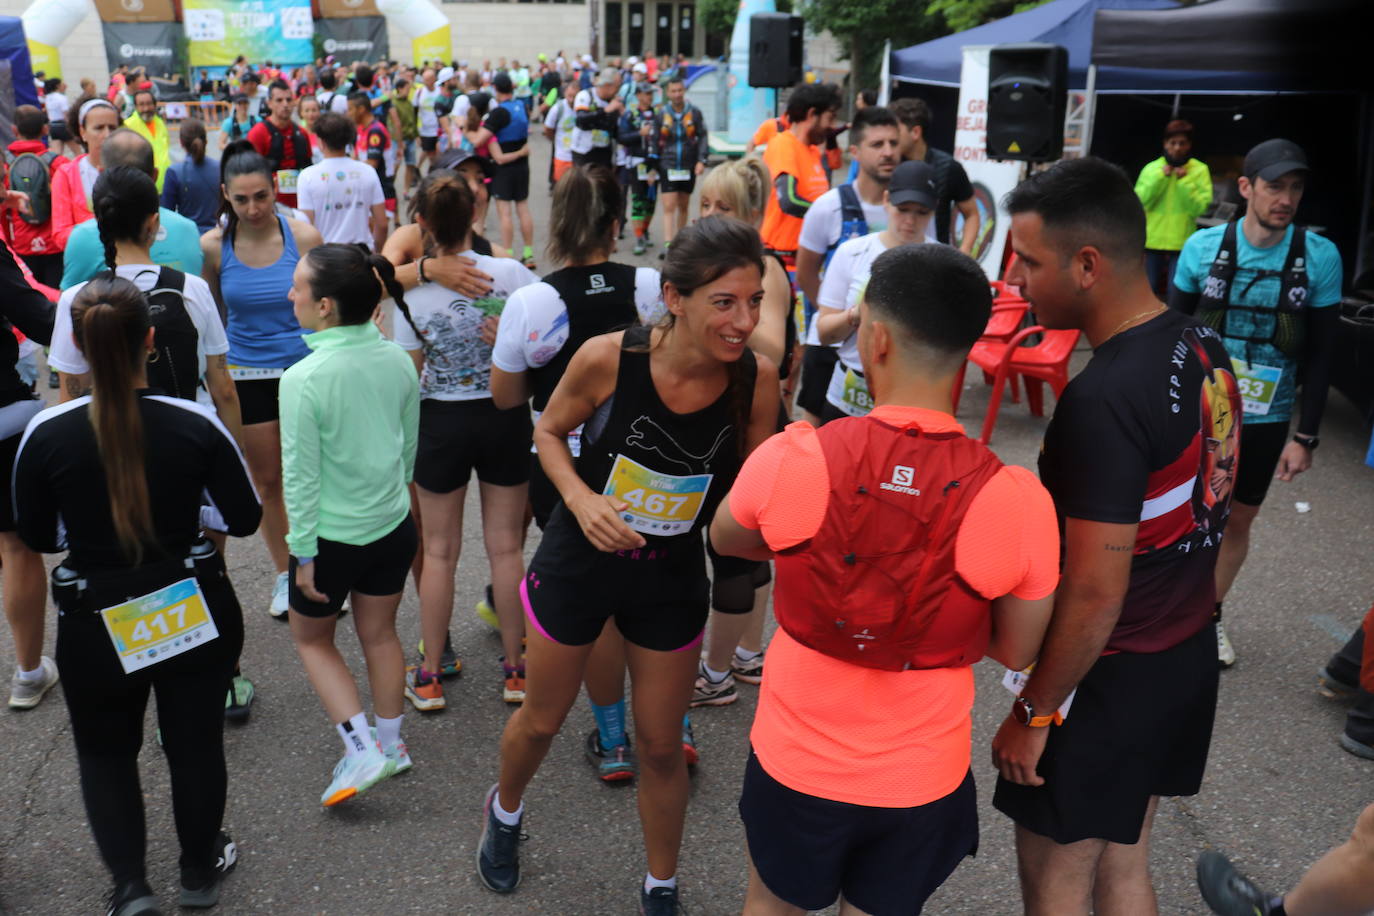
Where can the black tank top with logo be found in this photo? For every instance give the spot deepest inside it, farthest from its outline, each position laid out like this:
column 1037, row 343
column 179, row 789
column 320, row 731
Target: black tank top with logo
column 671, row 469
column 599, row 299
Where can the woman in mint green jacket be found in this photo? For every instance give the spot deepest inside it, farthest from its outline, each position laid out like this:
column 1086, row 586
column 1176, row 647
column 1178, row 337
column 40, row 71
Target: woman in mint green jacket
column 1175, row 190
column 350, row 414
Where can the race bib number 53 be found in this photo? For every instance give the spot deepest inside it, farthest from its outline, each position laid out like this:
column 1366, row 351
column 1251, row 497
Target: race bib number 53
column 1257, row 386
column 661, row 504
column 159, row 625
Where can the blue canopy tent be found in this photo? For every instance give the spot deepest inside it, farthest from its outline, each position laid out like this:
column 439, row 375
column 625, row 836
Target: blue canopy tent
column 1061, row 22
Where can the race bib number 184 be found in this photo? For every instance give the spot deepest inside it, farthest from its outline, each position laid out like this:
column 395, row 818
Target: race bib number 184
column 661, row 504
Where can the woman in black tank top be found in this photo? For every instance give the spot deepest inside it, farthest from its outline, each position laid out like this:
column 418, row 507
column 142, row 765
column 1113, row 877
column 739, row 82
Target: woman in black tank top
column 670, row 412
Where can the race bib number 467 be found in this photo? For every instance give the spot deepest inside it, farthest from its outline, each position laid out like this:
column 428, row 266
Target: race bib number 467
column 661, row 504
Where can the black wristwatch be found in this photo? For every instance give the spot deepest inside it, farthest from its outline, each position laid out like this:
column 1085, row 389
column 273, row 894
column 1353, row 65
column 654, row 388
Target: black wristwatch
column 1308, row 442
column 421, row 265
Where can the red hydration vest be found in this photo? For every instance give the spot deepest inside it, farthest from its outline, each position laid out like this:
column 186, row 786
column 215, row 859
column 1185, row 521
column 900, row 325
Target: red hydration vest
column 876, row 585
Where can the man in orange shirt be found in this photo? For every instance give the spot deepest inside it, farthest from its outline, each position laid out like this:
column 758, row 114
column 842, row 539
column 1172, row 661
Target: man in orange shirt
column 793, row 158
column 918, row 554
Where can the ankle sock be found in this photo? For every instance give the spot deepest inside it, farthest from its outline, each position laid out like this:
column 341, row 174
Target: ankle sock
column 355, row 735
column 510, row 819
column 388, row 730
column 529, row 251
column 31, row 676
column 712, row 675
column 745, row 655
column 610, row 723
column 650, row 882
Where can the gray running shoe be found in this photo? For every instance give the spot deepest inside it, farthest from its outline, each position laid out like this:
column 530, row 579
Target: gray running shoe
column 28, row 694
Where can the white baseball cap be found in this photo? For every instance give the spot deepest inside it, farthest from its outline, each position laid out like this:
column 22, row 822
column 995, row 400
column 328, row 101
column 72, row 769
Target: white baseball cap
column 640, row 67
column 445, row 74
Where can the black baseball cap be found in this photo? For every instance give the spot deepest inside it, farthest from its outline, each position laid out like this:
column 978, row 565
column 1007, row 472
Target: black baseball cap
column 456, row 157
column 502, row 83
column 1273, row 159
column 913, row 182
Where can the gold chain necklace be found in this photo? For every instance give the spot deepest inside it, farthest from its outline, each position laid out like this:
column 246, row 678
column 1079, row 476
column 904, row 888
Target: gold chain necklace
column 1145, row 314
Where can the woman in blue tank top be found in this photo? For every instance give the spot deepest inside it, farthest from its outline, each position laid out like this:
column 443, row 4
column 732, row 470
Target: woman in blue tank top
column 249, row 263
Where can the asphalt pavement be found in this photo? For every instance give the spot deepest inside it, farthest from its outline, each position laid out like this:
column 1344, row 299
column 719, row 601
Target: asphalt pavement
column 1279, row 791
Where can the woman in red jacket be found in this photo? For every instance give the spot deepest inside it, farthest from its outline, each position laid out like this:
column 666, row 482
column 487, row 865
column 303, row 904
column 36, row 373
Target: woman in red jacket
column 92, row 121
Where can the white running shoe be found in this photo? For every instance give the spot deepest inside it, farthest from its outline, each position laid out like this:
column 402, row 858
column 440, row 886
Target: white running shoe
column 397, row 754
column 1226, row 653
column 355, row 774
column 281, row 596
column 28, row 694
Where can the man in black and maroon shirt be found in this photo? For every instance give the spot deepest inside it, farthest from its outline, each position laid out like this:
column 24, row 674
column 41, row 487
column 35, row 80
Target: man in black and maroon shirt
column 1140, row 459
column 281, row 142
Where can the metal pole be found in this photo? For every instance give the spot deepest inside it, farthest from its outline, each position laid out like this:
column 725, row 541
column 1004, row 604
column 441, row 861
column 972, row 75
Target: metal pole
column 1177, row 99
column 1091, row 103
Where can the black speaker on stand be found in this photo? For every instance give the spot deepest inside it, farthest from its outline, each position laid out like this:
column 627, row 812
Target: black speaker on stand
column 775, row 50
column 1027, row 96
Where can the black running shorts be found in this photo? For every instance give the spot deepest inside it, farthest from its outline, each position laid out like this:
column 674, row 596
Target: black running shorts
column 511, row 181
column 458, row 437
column 809, row 851
column 817, row 365
column 258, row 400
column 1140, row 726
column 379, row 568
column 658, row 596
column 1261, row 444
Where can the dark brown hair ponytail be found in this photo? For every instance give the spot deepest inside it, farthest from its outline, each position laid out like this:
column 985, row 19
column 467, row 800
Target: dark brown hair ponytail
column 110, row 323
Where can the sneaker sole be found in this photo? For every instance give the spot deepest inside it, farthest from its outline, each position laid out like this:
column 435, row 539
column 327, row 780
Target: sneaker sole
column 1355, row 747
column 515, row 698
column 344, row 795
column 725, row 700
column 691, row 753
column 423, row 704
column 237, row 713
column 201, row 899
column 754, row 679
column 141, row 906
column 32, row 702
column 1333, row 689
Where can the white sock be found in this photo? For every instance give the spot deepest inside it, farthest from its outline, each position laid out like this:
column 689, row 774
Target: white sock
column 745, row 655
column 388, row 730
column 356, row 737
column 34, row 675
column 650, row 882
column 715, row 677
column 510, row 819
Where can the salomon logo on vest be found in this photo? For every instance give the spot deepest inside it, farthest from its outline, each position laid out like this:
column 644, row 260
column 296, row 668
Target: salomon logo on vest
column 901, row 481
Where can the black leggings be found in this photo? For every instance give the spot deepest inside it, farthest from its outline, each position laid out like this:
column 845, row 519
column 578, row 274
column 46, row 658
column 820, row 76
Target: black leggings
column 106, row 708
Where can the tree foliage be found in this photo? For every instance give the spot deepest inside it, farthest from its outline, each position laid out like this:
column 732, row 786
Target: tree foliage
column 862, row 27
column 965, row 14
column 718, row 16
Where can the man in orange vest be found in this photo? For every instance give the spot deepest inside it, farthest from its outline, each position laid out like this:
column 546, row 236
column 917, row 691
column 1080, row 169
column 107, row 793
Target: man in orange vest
column 793, row 158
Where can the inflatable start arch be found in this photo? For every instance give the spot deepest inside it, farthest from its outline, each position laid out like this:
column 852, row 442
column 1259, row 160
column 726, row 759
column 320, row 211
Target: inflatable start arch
column 48, row 23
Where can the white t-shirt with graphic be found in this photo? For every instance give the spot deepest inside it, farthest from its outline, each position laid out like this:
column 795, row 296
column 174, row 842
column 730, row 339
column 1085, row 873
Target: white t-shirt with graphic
column 341, row 193
column 562, row 120
column 457, row 361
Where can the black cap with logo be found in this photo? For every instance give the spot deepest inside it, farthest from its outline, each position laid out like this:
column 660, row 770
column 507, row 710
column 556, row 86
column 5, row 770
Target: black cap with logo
column 1273, row 159
column 913, row 182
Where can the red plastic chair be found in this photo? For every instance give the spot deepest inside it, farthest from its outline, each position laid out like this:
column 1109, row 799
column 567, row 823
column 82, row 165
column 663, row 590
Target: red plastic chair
column 1047, row 361
column 1002, row 326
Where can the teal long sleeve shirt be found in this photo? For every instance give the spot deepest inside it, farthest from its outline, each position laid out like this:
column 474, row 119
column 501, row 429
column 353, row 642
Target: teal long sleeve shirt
column 350, row 416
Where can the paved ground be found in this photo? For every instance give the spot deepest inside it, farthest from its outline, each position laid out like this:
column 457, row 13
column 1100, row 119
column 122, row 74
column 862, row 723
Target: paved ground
column 1279, row 791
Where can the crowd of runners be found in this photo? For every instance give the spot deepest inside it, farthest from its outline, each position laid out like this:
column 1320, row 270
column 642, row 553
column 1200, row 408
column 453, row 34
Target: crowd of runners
column 312, row 340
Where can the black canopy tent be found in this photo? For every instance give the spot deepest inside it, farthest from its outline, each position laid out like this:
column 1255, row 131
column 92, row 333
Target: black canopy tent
column 1304, row 53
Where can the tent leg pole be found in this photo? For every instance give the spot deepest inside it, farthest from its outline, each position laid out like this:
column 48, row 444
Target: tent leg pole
column 1090, row 90
column 1178, row 98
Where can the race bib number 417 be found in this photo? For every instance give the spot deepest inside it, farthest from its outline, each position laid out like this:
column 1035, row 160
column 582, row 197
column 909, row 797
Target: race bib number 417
column 159, row 625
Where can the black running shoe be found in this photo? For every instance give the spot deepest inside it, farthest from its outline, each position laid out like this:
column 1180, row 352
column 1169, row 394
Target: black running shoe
column 661, row 901
column 1226, row 890
column 498, row 852
column 199, row 888
column 132, row 898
